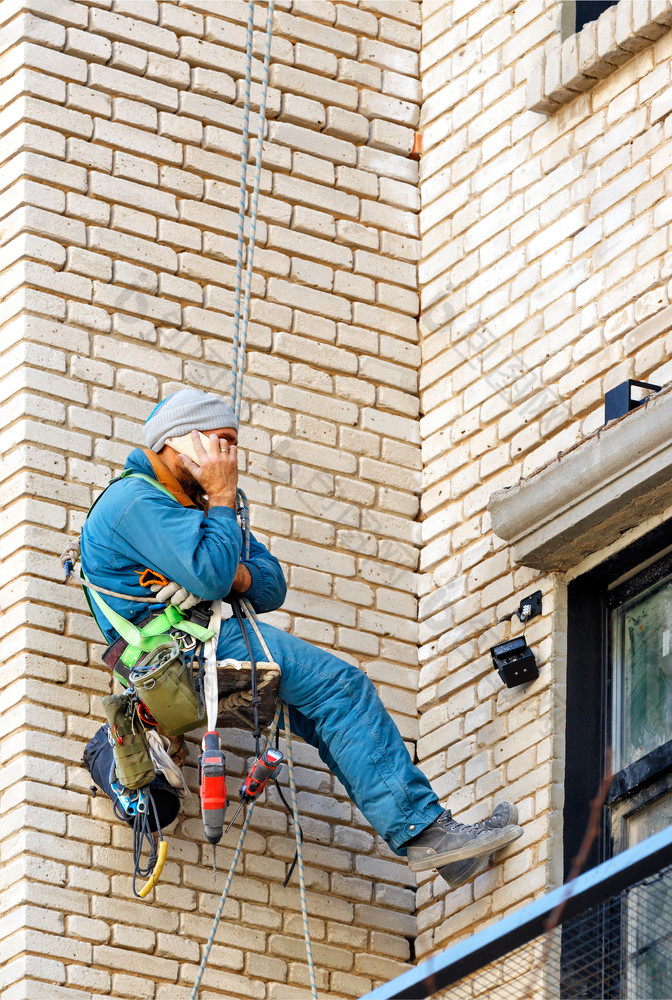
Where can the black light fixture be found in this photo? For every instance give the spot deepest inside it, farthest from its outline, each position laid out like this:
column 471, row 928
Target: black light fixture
column 514, row 660
column 618, row 401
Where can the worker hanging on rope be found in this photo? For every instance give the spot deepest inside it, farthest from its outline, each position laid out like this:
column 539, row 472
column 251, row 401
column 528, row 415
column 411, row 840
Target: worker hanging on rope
column 175, row 516
column 163, row 545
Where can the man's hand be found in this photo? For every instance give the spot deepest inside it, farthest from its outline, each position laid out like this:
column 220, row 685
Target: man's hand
column 242, row 581
column 172, row 593
column 217, row 473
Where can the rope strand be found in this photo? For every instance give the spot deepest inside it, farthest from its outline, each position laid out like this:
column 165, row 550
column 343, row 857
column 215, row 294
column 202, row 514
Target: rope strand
column 240, row 326
column 234, row 864
column 261, row 128
column 242, row 197
column 76, row 578
column 299, row 850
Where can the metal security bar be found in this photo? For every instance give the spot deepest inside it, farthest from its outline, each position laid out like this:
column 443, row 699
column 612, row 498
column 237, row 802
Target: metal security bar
column 611, row 940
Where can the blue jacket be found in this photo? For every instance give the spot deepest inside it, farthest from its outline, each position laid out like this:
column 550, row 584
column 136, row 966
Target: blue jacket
column 135, row 526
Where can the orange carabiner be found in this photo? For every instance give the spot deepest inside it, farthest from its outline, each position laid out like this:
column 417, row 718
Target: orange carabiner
column 150, row 577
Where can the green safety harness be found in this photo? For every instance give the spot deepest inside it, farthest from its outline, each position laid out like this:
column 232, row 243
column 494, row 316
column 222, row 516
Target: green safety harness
column 129, row 742
column 145, row 638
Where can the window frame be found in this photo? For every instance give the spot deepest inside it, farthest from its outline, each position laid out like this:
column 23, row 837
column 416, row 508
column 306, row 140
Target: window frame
column 591, row 598
column 618, row 595
column 589, row 682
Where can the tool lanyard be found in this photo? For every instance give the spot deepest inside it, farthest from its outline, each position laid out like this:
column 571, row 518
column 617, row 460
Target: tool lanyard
column 210, row 683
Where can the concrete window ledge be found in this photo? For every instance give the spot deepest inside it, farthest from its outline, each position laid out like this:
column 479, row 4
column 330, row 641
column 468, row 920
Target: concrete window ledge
column 607, row 484
column 573, row 66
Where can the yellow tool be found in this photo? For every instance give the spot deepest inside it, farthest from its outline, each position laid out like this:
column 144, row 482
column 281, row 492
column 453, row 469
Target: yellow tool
column 158, row 867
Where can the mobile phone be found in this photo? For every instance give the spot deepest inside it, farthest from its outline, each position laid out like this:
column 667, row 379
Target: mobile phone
column 184, row 445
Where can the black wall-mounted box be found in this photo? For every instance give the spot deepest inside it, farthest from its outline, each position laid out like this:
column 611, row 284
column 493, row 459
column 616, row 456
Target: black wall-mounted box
column 618, row 400
column 515, row 662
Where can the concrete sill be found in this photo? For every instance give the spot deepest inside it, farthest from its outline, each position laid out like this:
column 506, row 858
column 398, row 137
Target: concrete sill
column 567, row 69
column 590, row 495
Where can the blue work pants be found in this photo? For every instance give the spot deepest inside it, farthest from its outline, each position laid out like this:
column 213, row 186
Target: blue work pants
column 334, row 706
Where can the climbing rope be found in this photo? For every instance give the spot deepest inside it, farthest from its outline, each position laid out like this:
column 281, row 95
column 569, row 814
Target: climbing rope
column 261, row 128
column 242, row 197
column 240, row 326
column 69, row 559
column 239, row 847
column 252, row 618
column 229, row 878
column 299, row 850
column 241, row 322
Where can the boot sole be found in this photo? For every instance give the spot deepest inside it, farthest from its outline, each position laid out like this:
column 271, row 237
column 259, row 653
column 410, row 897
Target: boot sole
column 461, row 872
column 465, row 871
column 498, row 840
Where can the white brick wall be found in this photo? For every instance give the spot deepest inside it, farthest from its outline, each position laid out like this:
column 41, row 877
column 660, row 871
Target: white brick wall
column 121, row 128
column 543, row 253
column 545, row 248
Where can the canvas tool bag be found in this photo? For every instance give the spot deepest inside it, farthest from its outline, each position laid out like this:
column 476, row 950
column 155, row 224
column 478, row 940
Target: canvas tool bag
column 132, row 760
column 165, row 684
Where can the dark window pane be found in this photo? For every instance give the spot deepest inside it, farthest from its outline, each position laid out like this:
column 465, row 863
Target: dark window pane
column 642, row 671
column 590, row 10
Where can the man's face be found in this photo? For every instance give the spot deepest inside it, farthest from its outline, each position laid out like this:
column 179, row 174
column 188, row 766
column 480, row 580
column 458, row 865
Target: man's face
column 228, row 434
column 225, row 434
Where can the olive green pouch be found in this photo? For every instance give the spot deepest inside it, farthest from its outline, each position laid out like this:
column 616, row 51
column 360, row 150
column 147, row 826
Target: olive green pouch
column 165, row 684
column 132, row 759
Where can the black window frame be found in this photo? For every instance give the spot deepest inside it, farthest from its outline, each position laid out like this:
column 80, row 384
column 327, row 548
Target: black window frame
column 590, row 598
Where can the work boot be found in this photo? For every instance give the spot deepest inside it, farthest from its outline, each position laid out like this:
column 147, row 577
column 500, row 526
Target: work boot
column 459, row 872
column 446, row 841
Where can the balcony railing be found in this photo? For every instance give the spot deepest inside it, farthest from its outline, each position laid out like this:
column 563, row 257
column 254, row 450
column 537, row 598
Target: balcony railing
column 605, row 936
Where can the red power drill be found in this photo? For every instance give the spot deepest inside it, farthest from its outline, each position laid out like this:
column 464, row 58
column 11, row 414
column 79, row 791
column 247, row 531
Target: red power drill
column 264, row 767
column 212, row 781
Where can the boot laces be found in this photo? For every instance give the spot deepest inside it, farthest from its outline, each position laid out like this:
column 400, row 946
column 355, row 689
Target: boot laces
column 446, row 821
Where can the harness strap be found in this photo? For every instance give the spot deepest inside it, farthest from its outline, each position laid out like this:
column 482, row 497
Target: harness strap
column 148, row 479
column 153, row 634
column 211, row 684
column 142, row 640
column 141, row 475
column 150, row 636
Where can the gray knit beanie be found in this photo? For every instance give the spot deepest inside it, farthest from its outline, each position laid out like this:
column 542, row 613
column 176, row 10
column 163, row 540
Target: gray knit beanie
column 184, row 411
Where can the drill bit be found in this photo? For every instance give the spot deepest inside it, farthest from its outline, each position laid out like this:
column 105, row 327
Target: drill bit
column 236, row 815
column 214, row 863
